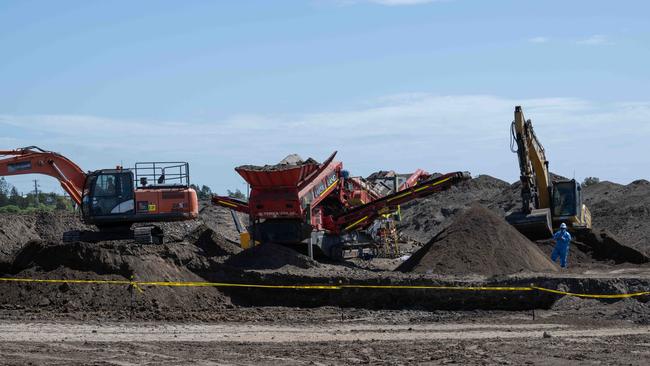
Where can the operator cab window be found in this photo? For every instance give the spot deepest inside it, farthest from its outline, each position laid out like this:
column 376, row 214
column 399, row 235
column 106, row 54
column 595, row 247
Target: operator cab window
column 113, row 185
column 564, row 199
column 105, row 185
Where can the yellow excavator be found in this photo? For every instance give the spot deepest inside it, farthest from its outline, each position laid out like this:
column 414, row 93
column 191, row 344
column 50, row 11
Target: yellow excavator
column 546, row 203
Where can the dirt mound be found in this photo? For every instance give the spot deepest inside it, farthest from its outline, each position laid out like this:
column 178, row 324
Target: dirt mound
column 606, row 246
column 623, row 210
column 627, row 309
column 596, row 249
column 112, row 261
column 17, row 230
column 423, row 219
column 478, row 242
column 214, row 244
column 220, row 220
column 270, row 256
column 289, row 162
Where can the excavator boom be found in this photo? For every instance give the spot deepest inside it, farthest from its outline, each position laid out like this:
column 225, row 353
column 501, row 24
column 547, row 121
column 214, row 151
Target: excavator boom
column 33, row 160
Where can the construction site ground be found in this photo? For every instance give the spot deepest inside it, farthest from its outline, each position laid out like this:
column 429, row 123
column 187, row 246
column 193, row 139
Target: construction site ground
column 331, row 336
column 371, row 311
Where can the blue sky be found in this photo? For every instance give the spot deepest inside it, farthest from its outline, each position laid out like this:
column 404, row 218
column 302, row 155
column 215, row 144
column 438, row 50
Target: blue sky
column 391, row 84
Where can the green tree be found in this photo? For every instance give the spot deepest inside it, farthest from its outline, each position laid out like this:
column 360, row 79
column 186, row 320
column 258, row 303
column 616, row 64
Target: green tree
column 11, row 209
column 203, row 193
column 16, row 199
column 590, row 181
column 4, row 192
column 63, row 203
column 237, row 194
column 206, row 192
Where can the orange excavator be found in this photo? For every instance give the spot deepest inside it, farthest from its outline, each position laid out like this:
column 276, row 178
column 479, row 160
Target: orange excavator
column 113, row 199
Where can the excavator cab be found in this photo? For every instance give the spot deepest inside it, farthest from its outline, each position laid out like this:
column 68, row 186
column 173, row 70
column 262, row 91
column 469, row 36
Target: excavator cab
column 108, row 195
column 567, row 205
column 565, row 199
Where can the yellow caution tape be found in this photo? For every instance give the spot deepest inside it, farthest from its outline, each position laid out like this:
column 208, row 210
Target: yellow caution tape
column 592, row 296
column 452, row 288
column 137, row 285
column 134, row 284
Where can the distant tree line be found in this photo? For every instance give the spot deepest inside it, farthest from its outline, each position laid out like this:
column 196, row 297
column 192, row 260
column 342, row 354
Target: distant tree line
column 589, row 181
column 205, row 193
column 11, row 201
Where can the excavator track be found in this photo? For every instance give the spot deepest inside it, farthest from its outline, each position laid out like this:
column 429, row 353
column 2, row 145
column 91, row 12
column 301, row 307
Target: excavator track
column 141, row 235
column 148, row 235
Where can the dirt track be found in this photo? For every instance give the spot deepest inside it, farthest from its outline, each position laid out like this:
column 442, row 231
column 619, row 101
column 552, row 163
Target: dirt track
column 500, row 339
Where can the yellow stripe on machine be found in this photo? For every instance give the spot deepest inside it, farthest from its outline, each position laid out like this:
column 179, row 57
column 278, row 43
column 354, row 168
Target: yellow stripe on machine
column 328, row 188
column 356, row 223
column 227, row 203
column 419, row 189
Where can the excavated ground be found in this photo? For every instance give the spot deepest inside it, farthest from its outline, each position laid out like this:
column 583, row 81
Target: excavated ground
column 467, row 246
column 477, row 249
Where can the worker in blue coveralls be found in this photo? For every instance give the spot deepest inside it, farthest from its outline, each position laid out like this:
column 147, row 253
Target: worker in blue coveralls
column 561, row 250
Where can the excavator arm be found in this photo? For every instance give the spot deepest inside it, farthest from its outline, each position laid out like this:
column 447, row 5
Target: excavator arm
column 533, row 166
column 33, row 160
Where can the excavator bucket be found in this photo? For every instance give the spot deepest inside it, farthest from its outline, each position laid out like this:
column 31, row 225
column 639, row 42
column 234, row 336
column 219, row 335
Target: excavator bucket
column 535, row 225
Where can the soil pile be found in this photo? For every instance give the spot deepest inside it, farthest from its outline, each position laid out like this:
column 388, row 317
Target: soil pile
column 289, row 162
column 271, row 256
column 217, row 218
column 622, row 209
column 423, row 219
column 212, row 243
column 114, row 261
column 627, row 309
column 478, row 242
column 17, row 230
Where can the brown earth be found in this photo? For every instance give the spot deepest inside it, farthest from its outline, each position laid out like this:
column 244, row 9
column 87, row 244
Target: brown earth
column 289, row 162
column 75, row 324
column 480, row 242
column 425, row 218
column 333, row 337
column 622, row 209
column 206, row 250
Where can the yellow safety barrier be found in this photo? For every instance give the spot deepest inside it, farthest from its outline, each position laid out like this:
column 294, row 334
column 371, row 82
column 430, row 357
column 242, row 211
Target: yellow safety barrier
column 138, row 286
column 593, row 296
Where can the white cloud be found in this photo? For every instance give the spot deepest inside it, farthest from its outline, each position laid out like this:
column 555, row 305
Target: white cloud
column 595, row 40
column 539, row 39
column 401, row 132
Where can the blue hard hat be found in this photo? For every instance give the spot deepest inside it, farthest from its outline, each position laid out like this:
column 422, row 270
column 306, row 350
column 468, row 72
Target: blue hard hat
column 563, row 226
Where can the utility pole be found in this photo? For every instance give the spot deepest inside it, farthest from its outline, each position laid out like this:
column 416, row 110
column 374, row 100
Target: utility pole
column 36, row 192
